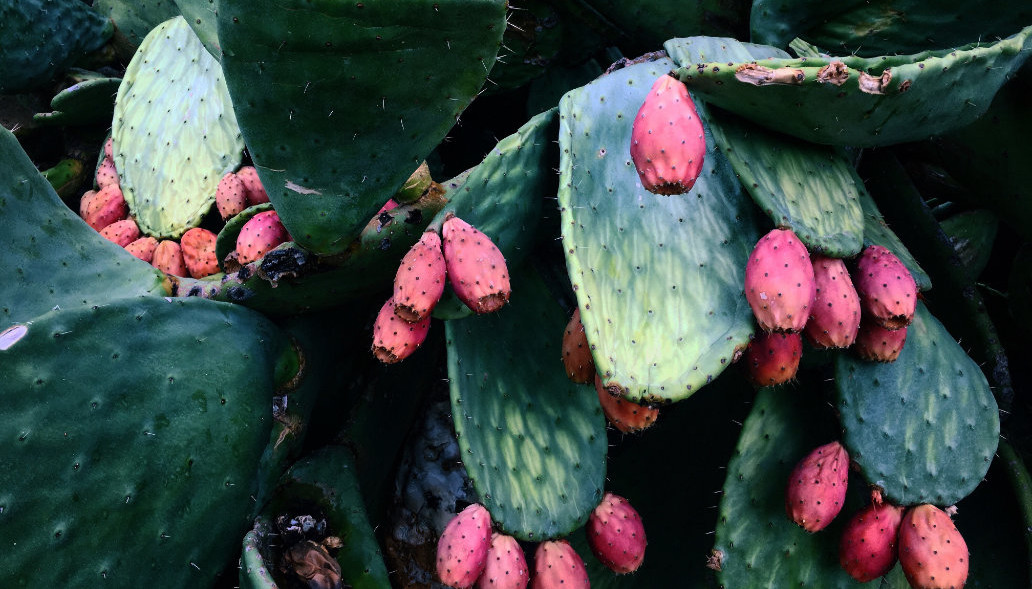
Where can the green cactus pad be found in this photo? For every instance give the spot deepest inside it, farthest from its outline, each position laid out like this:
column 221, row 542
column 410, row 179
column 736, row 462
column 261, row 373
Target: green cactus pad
column 40, row 38
column 340, row 102
column 136, row 18
column 924, row 427
column 88, row 101
column 658, row 279
column 200, row 15
column 880, row 100
column 877, row 232
column 759, row 545
column 129, row 456
column 533, row 442
column 972, row 234
column 175, row 134
column 253, row 572
column 686, row 51
column 648, row 23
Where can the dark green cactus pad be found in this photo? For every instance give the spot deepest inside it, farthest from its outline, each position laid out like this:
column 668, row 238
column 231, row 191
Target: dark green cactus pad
column 135, row 18
column 50, row 256
column 877, row 232
column 88, row 101
column 200, row 15
column 132, row 457
column 175, row 134
column 924, row 427
column 648, row 23
column 972, row 234
column 533, row 442
column 863, row 102
column 759, row 545
column 41, row 38
column 340, row 102
column 658, row 279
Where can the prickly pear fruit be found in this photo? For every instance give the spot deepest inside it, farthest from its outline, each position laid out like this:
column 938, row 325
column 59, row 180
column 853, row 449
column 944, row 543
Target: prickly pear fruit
column 106, row 207
column 390, row 205
column 874, row 342
column 773, row 358
column 84, row 202
column 106, row 173
column 888, row 293
column 476, row 267
column 230, row 196
column 506, row 565
column 779, row 282
column 558, row 566
column 577, row 359
column 463, row 546
column 168, row 257
column 394, row 339
column 198, row 246
column 817, row 487
column 867, row 549
column 931, row 550
column 109, row 148
column 419, row 282
column 668, row 143
column 253, row 189
column 121, row 232
column 616, row 534
column 143, row 248
column 835, row 314
column 624, row 415
column 260, row 234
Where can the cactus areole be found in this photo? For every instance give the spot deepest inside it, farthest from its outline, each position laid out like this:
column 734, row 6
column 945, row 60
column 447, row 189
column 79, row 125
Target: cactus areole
column 668, row 143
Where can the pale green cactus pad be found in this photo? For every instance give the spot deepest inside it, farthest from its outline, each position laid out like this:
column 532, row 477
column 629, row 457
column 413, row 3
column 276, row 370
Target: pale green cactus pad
column 175, row 134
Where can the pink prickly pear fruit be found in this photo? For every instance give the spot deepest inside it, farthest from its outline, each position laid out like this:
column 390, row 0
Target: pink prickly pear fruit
column 121, row 232
column 558, row 566
column 253, row 189
column 143, row 248
column 106, row 207
column 577, row 359
column 668, row 143
column 888, row 293
column 394, row 339
column 230, row 196
column 476, row 267
column 168, row 257
column 463, row 547
column 84, row 202
column 868, row 547
column 932, row 552
column 506, row 565
column 779, row 282
column 198, row 246
column 817, row 487
column 109, row 148
column 419, row 282
column 835, row 314
column 106, row 173
column 874, row 342
column 773, row 358
column 390, row 205
column 259, row 235
column 624, row 415
column 616, row 535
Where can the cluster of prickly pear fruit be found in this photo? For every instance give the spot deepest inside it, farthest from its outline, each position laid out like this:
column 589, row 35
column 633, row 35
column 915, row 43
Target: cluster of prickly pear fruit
column 668, row 143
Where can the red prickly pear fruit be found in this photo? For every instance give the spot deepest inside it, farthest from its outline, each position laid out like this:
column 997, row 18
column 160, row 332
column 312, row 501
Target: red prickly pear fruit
column 867, row 549
column 106, row 207
column 394, row 339
column 817, row 487
column 390, row 205
column 419, row 282
column 106, row 173
column 668, row 143
column 463, row 547
column 168, row 257
column 259, row 235
column 230, row 196
column 624, row 415
column 121, row 232
column 506, row 565
column 835, row 314
column 874, row 342
column 932, row 552
column 888, row 293
column 779, row 282
column 253, row 189
column 577, row 359
column 143, row 248
column 109, row 148
column 616, row 535
column 558, row 566
column 773, row 358
column 84, row 202
column 198, row 246
column 476, row 267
